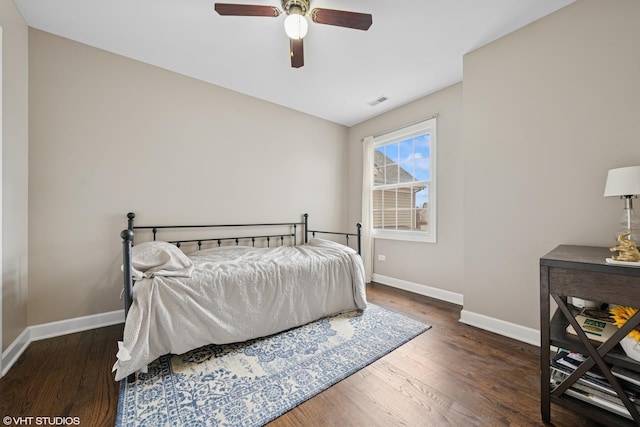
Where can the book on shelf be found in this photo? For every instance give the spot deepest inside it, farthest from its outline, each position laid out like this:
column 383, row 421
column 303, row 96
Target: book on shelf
column 602, row 403
column 569, row 361
column 596, row 324
column 626, row 374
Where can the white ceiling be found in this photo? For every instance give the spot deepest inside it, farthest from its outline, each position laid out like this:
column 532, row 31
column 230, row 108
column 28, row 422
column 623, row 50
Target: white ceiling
column 413, row 48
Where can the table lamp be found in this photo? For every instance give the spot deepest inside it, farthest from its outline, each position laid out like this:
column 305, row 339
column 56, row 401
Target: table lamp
column 625, row 183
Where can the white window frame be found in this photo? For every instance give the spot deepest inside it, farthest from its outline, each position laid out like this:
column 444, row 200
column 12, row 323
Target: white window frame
column 421, row 128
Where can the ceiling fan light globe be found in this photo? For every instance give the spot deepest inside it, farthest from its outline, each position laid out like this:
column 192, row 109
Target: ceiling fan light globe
column 296, row 26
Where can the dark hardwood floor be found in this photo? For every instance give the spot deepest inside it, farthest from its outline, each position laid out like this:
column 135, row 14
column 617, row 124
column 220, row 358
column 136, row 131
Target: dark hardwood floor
column 452, row 375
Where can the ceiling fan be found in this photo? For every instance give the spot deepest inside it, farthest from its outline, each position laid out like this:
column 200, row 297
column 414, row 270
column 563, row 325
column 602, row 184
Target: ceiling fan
column 295, row 23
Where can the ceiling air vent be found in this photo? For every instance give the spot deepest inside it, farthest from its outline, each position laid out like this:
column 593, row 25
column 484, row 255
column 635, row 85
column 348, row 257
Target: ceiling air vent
column 378, row 100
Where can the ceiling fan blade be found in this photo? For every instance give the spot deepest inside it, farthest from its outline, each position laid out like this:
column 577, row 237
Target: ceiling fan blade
column 341, row 18
column 246, row 10
column 297, row 53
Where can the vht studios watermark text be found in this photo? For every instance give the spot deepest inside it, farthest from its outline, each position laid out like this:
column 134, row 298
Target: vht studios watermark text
column 41, row 421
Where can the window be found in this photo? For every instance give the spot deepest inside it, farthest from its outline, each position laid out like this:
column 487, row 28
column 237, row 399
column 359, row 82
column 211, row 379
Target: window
column 404, row 190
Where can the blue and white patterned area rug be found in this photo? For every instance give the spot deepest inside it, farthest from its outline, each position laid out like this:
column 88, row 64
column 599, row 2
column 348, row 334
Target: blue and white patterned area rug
column 252, row 383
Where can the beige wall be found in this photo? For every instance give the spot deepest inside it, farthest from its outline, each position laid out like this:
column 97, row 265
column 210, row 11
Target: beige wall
column 110, row 135
column 14, row 143
column 437, row 265
column 548, row 110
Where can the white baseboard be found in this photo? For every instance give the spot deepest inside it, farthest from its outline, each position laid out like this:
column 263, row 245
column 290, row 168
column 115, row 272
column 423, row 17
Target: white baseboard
column 508, row 329
column 15, row 349
column 78, row 324
column 416, row 288
column 56, row 329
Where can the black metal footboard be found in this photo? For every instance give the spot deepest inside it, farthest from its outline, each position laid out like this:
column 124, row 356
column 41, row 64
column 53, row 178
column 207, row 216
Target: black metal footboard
column 291, row 236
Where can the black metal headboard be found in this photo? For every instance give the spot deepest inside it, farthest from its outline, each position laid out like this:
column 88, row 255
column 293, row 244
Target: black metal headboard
column 292, row 233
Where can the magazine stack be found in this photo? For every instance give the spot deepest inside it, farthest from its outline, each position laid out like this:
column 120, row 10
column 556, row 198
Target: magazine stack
column 593, row 387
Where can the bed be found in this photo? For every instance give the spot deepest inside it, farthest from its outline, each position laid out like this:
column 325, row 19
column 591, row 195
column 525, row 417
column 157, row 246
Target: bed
column 229, row 289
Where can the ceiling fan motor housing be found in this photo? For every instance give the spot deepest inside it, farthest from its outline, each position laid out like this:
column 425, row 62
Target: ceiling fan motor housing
column 299, row 7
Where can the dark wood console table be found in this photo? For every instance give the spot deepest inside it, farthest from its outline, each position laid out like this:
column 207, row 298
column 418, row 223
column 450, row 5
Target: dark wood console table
column 582, row 271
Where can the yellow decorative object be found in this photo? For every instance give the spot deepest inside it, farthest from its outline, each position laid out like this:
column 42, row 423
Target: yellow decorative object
column 620, row 315
column 627, row 249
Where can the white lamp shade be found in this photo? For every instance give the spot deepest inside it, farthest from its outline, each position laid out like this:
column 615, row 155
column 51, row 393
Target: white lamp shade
column 623, row 182
column 296, row 26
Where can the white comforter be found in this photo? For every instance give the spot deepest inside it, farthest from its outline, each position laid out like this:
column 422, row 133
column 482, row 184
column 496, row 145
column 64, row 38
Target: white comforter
column 232, row 294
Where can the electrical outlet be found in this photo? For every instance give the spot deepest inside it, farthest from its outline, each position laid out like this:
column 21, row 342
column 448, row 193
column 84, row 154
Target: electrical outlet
column 382, row 258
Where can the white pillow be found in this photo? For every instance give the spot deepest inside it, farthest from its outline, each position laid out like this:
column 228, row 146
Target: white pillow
column 156, row 258
column 330, row 244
